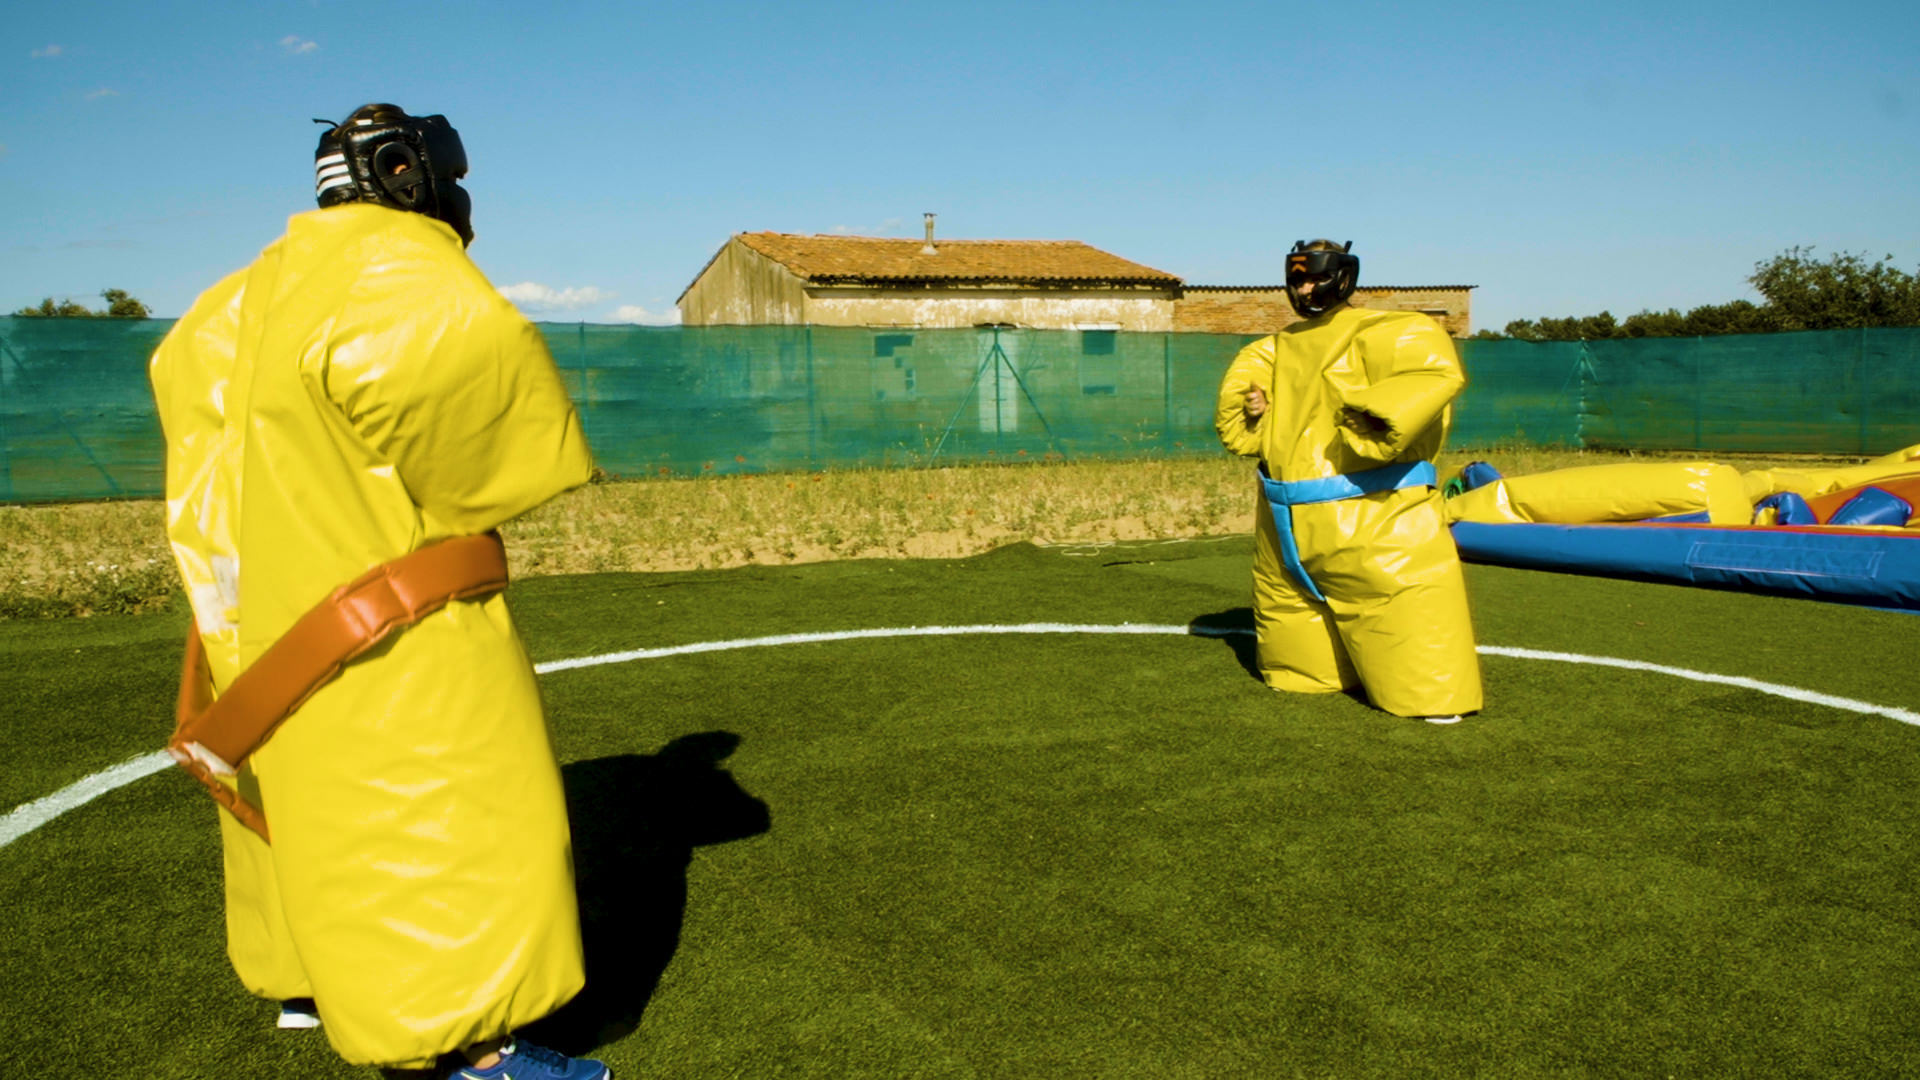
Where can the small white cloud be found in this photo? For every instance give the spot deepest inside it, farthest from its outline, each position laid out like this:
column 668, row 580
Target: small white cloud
column 103, row 92
column 533, row 296
column 48, row 53
column 295, row 44
column 634, row 313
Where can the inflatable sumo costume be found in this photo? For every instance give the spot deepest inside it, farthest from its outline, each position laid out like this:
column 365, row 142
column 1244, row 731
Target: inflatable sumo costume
column 346, row 420
column 1356, row 581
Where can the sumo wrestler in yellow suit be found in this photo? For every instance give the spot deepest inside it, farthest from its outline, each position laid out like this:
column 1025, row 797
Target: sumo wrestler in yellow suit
column 357, row 393
column 1356, row 579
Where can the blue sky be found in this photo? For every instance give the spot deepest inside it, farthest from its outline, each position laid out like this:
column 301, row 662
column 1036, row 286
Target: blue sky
column 1564, row 158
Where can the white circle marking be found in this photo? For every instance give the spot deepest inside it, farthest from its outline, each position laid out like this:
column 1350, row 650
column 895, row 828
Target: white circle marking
column 27, row 817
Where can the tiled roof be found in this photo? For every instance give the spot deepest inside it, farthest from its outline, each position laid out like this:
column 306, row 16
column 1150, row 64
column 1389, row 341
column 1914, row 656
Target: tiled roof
column 1361, row 288
column 832, row 260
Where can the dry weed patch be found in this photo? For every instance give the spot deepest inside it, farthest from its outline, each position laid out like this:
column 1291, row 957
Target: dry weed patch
column 86, row 558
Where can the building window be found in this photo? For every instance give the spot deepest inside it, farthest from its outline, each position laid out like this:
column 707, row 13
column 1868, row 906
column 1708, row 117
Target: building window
column 893, row 376
column 1100, row 375
column 1099, row 358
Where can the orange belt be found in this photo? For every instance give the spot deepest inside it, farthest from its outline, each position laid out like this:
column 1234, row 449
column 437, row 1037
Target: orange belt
column 213, row 737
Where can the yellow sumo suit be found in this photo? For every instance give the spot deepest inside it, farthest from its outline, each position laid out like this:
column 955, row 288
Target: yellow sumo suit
column 357, row 393
column 1364, row 586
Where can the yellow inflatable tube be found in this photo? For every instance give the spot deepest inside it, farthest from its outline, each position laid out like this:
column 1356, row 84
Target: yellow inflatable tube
column 1597, row 493
column 1810, row 483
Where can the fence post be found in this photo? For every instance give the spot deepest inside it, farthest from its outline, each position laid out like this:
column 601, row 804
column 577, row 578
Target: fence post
column 813, row 420
column 1866, row 388
column 1698, row 392
column 6, row 448
column 1166, row 391
column 1589, row 382
column 586, row 392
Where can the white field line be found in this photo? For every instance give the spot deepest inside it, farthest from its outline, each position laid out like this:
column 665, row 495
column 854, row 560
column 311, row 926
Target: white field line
column 890, row 632
column 1794, row 693
column 27, row 817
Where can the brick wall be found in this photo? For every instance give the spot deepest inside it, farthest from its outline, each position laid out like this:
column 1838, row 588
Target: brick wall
column 1232, row 309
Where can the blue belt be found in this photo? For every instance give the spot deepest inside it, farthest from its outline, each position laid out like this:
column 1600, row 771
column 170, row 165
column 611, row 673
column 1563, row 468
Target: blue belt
column 1283, row 495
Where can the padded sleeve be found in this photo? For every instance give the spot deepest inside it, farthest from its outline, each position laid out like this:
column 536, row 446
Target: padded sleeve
column 1415, row 374
column 1253, row 366
column 472, row 412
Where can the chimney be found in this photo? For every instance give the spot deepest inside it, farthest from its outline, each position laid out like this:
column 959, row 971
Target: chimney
column 929, row 249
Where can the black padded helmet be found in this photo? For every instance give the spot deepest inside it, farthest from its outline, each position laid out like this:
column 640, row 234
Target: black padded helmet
column 1330, row 266
column 380, row 154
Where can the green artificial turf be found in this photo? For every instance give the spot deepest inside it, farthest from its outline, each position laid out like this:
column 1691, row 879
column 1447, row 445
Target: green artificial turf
column 1078, row 855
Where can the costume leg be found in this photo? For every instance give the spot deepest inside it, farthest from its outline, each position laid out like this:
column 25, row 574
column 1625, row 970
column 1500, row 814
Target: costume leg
column 258, row 941
column 1400, row 602
column 1299, row 649
column 421, row 839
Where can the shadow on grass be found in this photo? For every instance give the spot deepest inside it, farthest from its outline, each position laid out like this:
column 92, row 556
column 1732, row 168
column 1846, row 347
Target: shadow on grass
column 1232, row 628
column 636, row 819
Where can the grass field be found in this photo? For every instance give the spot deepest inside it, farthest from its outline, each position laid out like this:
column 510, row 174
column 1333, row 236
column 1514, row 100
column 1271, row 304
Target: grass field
column 1082, row 855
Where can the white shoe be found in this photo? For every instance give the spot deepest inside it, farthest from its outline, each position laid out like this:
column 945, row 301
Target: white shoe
column 1442, row 719
column 298, row 1014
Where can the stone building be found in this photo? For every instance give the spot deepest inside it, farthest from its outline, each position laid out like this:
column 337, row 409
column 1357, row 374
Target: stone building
column 1262, row 309
column 761, row 278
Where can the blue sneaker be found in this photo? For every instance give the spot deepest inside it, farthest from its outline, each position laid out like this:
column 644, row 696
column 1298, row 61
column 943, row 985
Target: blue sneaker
column 524, row 1061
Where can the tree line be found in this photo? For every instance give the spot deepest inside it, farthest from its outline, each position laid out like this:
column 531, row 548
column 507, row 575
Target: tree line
column 1798, row 292
column 119, row 306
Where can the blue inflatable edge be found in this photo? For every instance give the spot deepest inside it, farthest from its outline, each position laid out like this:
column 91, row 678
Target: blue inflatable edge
column 1851, row 568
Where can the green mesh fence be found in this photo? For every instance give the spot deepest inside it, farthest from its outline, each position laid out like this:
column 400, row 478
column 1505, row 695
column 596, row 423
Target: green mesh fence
column 732, row 399
column 76, row 413
column 1835, row 391
column 77, row 420
column 1818, row 392
column 1519, row 392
